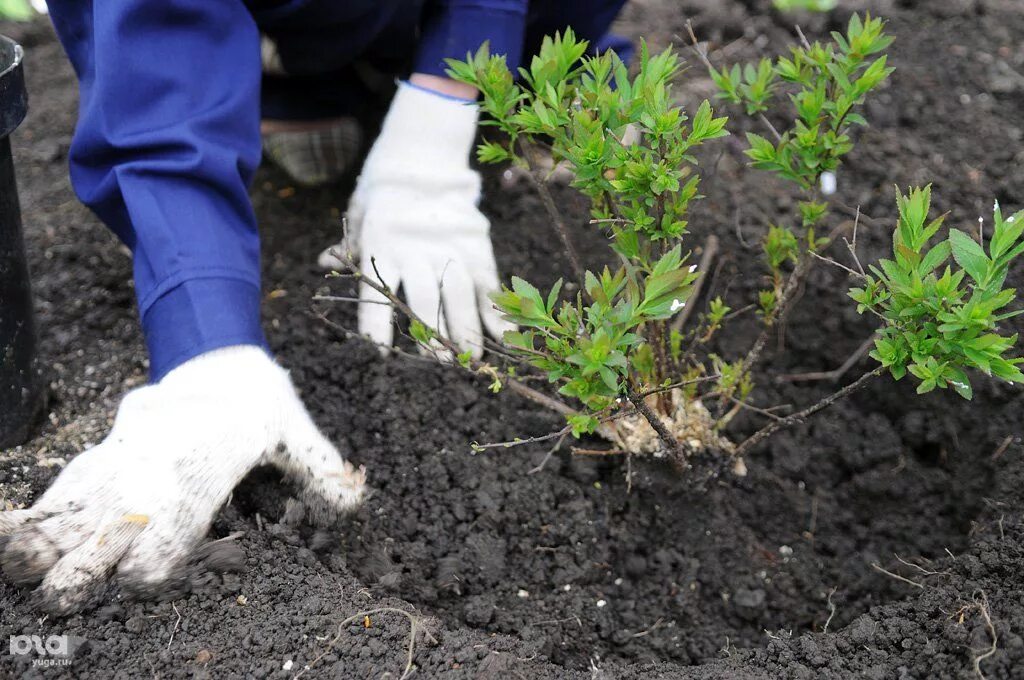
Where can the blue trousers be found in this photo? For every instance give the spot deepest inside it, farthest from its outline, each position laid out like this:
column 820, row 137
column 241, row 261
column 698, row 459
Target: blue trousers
column 168, row 136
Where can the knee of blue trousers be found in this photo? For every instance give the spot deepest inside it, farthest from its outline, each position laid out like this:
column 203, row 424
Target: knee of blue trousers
column 164, row 149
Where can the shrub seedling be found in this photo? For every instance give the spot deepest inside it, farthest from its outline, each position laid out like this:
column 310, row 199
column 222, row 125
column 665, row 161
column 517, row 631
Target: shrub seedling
column 617, row 341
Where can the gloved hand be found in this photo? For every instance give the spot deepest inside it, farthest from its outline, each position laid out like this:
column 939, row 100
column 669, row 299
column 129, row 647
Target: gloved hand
column 145, row 496
column 414, row 213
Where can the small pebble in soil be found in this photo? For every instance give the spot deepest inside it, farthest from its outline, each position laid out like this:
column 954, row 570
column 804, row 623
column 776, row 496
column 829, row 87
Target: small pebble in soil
column 288, row 665
column 601, row 603
column 523, row 593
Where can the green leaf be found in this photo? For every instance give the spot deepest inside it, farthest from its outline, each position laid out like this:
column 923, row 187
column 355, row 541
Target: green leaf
column 490, row 152
column 935, row 258
column 969, row 255
column 420, row 333
column 959, row 382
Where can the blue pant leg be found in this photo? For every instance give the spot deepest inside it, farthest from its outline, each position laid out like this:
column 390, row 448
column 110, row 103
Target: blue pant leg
column 165, row 147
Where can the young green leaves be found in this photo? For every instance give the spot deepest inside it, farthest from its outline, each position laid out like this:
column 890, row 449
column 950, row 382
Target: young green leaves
column 942, row 321
column 630, row 148
column 827, row 83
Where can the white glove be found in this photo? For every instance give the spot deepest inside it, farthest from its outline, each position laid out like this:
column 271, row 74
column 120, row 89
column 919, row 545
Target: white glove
column 414, row 213
column 145, row 496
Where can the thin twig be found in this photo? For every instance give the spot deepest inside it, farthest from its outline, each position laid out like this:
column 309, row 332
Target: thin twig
column 803, row 38
column 344, row 298
column 774, row 427
column 554, row 214
column 548, row 455
column 834, row 263
column 676, row 385
column 1001, row 449
column 836, row 373
column 448, row 344
column 577, row 451
column 793, row 283
column 706, row 258
column 670, row 442
column 762, row 411
column 560, row 434
column 852, row 247
column 702, row 53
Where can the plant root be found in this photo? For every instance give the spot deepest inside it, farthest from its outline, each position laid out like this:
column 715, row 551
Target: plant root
column 691, row 425
column 414, row 628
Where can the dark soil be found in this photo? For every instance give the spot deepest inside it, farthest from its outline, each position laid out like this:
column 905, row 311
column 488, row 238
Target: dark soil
column 509, row 568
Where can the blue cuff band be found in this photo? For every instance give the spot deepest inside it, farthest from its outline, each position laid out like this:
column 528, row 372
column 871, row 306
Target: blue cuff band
column 442, row 95
column 198, row 316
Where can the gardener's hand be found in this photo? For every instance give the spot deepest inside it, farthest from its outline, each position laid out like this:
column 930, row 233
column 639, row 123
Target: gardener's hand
column 413, row 222
column 145, row 496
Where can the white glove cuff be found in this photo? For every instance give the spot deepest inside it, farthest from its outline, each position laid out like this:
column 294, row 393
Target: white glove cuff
column 426, row 131
column 232, row 365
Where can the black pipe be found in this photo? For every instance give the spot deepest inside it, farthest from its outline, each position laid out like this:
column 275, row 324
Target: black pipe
column 21, row 385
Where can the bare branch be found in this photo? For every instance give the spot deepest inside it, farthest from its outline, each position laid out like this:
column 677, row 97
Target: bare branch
column 834, row 374
column 701, row 50
column 664, row 435
column 476, row 366
column 774, row 427
column 834, row 263
column 560, row 434
column 706, row 258
column 553, row 213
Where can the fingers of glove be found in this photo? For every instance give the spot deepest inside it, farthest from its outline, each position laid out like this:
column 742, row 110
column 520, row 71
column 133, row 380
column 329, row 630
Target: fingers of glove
column 460, row 310
column 33, row 549
column 336, row 256
column 355, row 214
column 74, row 580
column 375, row 312
column 422, row 291
column 159, row 554
column 330, row 484
column 333, row 257
column 11, row 520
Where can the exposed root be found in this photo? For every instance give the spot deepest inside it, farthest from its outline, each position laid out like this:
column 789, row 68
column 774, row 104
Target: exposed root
column 879, row 568
column 414, row 628
column 690, row 424
column 980, row 605
column 831, row 610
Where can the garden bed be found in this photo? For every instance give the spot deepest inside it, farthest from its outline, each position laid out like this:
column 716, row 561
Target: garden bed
column 559, row 572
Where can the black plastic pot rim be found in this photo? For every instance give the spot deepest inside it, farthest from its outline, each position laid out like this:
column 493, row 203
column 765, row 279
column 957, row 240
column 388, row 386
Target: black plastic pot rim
column 13, row 101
